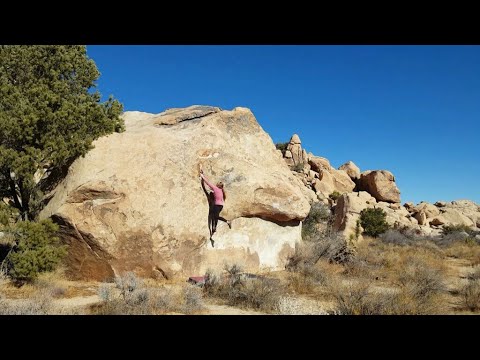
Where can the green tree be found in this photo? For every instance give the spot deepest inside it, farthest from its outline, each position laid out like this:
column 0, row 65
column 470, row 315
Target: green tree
column 36, row 249
column 373, row 221
column 49, row 115
column 282, row 147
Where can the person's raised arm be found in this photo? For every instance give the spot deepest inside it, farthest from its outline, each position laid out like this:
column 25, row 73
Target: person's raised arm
column 211, row 186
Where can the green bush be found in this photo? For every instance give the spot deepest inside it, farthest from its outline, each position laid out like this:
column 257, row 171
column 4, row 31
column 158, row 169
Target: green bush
column 282, row 147
column 36, row 249
column 373, row 221
column 334, row 195
column 7, row 214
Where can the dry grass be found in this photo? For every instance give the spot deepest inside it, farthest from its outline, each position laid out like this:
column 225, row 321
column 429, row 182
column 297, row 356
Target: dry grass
column 237, row 289
column 470, row 295
column 382, row 278
column 463, row 250
column 130, row 296
column 308, row 279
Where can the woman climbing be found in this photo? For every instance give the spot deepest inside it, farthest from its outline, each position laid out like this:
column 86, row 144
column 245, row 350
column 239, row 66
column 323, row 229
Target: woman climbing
column 219, row 199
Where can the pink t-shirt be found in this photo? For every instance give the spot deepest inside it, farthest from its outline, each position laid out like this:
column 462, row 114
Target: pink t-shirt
column 217, row 192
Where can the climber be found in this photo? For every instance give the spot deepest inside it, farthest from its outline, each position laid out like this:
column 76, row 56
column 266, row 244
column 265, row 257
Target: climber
column 219, row 199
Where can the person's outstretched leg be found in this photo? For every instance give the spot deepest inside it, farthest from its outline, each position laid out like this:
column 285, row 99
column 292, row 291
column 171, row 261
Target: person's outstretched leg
column 229, row 223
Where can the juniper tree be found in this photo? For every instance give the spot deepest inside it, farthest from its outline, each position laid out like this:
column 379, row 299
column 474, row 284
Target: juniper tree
column 49, row 115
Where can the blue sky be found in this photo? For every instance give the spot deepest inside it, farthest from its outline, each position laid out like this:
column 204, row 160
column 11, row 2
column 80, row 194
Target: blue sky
column 413, row 110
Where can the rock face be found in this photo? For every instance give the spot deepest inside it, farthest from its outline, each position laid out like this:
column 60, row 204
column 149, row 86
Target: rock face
column 351, row 169
column 380, row 184
column 135, row 201
column 347, row 211
column 329, row 179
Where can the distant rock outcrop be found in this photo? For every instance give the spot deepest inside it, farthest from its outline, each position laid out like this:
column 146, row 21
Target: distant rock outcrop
column 377, row 189
column 135, row 201
column 351, row 169
column 380, row 184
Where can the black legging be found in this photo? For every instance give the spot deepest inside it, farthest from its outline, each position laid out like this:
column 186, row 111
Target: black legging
column 216, row 216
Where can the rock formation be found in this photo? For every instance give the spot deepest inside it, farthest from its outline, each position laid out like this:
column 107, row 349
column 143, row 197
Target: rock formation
column 135, row 201
column 380, row 184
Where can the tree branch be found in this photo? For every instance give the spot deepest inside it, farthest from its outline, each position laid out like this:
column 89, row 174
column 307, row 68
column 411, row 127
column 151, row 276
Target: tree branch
column 13, row 191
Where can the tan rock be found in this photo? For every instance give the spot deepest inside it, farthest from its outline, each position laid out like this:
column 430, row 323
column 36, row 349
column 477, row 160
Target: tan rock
column 438, row 220
column 135, row 201
column 323, row 187
column 380, row 184
column 306, row 168
column 319, row 163
column 352, row 170
column 440, row 204
column 176, row 115
column 295, row 139
column 395, row 206
column 467, row 208
column 295, row 147
column 421, row 218
column 409, row 206
column 429, row 209
column 330, row 179
column 454, row 217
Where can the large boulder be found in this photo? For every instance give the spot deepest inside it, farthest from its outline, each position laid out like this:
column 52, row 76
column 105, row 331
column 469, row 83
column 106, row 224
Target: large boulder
column 451, row 216
column 351, row 169
column 380, row 184
column 135, row 202
column 428, row 209
column 319, row 163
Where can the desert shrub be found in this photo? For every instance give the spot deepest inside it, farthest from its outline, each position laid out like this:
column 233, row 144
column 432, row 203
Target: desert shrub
column 319, row 213
column 395, row 237
column 282, row 147
column 130, row 296
column 307, row 277
column 355, row 298
column 475, row 274
column 373, row 221
column 39, row 304
column 329, row 246
column 193, row 301
column 335, row 195
column 421, row 280
column 258, row 293
column 453, row 237
column 470, row 295
column 457, row 228
column 422, row 288
column 36, row 249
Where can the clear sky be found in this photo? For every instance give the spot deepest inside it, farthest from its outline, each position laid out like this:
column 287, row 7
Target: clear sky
column 413, row 110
